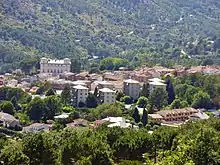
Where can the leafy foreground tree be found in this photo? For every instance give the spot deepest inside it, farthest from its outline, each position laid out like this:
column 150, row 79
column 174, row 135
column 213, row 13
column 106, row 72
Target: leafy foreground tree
column 12, row 154
column 192, row 144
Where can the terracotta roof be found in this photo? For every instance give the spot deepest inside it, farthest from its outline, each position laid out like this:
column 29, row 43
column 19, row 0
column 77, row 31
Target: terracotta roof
column 106, row 90
column 173, row 111
column 80, row 87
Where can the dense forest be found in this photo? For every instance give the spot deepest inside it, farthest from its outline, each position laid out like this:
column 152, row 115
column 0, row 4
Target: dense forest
column 165, row 32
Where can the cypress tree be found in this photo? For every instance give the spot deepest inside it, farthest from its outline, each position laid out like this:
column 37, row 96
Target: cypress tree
column 170, row 91
column 136, row 115
column 96, row 92
column 144, row 118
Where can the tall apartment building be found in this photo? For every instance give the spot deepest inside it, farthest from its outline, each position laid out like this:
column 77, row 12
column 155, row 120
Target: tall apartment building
column 54, row 66
column 132, row 88
column 107, row 95
column 80, row 93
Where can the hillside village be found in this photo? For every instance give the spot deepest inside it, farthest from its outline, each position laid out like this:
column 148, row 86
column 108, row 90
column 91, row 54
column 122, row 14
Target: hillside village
column 106, row 88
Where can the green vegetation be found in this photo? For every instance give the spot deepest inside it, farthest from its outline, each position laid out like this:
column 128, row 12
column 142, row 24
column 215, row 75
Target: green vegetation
column 134, row 32
column 196, row 90
column 115, row 145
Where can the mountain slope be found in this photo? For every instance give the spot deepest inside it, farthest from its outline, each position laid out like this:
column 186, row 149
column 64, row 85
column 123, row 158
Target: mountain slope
column 83, row 28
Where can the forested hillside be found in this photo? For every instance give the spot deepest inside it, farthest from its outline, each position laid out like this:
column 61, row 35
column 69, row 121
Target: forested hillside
column 80, row 29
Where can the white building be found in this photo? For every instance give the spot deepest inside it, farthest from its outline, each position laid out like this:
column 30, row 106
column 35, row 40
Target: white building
column 198, row 116
column 156, row 83
column 54, row 66
column 107, row 95
column 118, row 122
column 132, row 88
column 80, row 93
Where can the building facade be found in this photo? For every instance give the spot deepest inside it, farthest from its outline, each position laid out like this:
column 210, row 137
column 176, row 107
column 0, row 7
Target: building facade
column 132, row 88
column 177, row 114
column 54, row 66
column 107, row 95
column 80, row 93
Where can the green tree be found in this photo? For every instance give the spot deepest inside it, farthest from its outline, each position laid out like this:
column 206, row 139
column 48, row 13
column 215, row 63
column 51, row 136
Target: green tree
column 144, row 118
column 34, row 148
column 67, row 109
column 7, row 107
column 40, row 90
column 50, row 92
column 96, row 91
column 111, row 63
column 91, row 101
column 142, row 101
column 130, row 162
column 75, row 66
column 23, row 118
column 12, row 154
column 126, row 99
column 136, row 115
column 37, row 109
column 201, row 100
column 53, row 106
column 15, row 103
column 176, row 104
column 190, row 92
column 43, row 88
column 113, row 110
column 170, row 91
column 180, row 90
column 66, row 95
column 158, row 99
column 119, row 95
